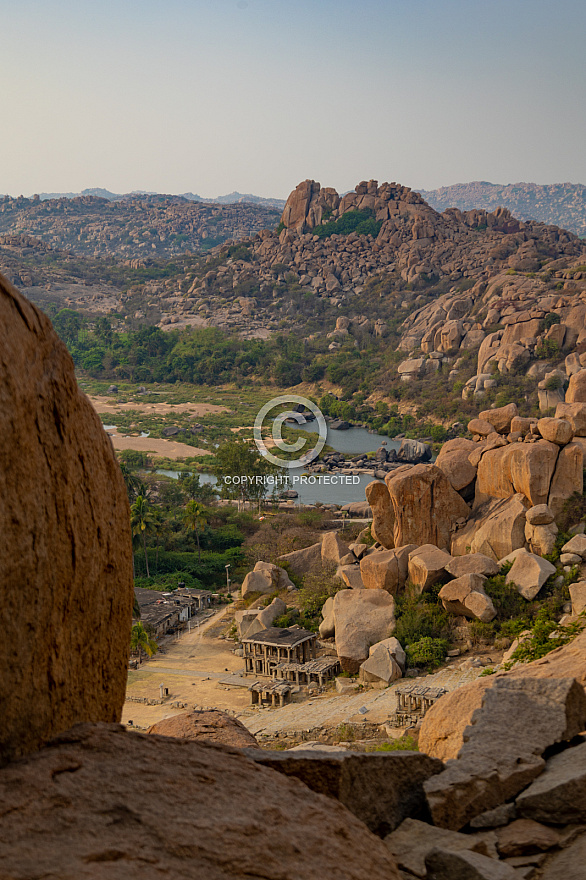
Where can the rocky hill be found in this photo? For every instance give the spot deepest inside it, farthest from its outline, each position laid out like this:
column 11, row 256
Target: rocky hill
column 229, row 199
column 139, row 226
column 563, row 204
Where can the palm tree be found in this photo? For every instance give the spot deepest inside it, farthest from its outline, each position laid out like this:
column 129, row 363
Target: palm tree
column 141, row 641
column 194, row 518
column 141, row 522
column 131, row 480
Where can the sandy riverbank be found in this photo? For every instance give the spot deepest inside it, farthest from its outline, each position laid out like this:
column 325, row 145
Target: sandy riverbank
column 156, row 446
column 108, row 405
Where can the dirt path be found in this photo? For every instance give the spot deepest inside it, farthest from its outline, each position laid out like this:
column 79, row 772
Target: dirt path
column 191, row 668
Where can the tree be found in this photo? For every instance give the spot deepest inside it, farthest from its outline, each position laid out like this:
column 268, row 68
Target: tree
column 140, row 641
column 195, row 489
column 141, row 522
column 238, row 459
column 131, row 481
column 194, row 519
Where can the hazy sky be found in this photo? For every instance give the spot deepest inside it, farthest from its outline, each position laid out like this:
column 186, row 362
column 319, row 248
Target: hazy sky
column 211, row 96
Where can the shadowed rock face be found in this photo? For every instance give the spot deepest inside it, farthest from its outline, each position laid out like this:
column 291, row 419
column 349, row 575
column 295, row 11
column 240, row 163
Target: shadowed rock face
column 102, row 802
column 66, row 565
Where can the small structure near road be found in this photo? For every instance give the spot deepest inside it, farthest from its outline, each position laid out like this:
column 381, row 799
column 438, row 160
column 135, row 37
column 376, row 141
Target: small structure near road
column 413, row 701
column 272, row 693
column 314, row 672
column 164, row 612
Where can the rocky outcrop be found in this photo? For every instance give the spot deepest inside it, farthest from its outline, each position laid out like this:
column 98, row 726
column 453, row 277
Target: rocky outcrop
column 66, row 570
column 495, row 529
column 386, row 569
column 466, row 596
column 210, row 725
column 72, row 811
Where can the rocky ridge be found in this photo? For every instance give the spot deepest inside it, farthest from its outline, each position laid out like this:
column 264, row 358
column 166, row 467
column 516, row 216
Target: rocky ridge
column 563, row 204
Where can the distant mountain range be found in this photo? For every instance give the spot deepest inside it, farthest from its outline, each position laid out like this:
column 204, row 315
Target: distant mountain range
column 232, row 198
column 560, row 204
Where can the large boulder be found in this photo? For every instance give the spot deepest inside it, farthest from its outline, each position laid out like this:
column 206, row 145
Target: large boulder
column 568, row 477
column 529, row 573
column 575, row 414
column 72, row 810
column 413, row 451
column 383, row 520
column 558, row 431
column 425, row 506
column 66, row 567
column 266, row 577
column 333, row 549
column 473, row 563
column 361, row 618
column 304, row 561
column 502, row 751
column 526, row 468
column 327, row 627
column 442, row 729
column 454, row 462
column 206, row 724
column 466, row 595
column 500, row 417
column 427, row 565
column 576, row 391
column 386, row 569
column 495, row 529
column 385, row 663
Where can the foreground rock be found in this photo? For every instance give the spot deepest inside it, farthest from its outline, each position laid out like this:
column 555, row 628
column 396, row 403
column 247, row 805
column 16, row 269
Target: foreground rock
column 66, row 569
column 361, row 618
column 413, row 841
column 380, row 789
column 72, row 811
column 518, row 720
column 449, row 865
column 558, row 796
column 210, row 725
column 442, row 729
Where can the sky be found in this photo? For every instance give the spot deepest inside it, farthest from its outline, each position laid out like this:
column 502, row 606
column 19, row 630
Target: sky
column 211, row 96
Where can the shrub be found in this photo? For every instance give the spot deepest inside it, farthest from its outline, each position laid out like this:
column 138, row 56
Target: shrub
column 546, row 635
column 406, row 743
column 419, row 618
column 427, row 652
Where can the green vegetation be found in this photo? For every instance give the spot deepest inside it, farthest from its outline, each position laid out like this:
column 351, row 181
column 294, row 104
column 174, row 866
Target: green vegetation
column 141, row 641
column 427, row 652
column 546, row 635
column 405, row 744
column 360, row 222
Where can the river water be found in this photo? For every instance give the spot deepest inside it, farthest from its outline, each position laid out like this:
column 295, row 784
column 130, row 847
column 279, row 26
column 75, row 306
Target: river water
column 331, row 488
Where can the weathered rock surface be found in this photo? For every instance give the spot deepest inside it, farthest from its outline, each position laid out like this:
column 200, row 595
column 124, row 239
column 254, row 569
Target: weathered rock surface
column 361, row 618
column 303, row 561
column 449, row 865
column 529, row 573
column 427, row 565
column 576, row 391
column 425, row 506
column 495, row 529
column 386, row 569
column 413, row 840
column 333, row 549
column 568, row 476
column 66, row 568
column 525, row 836
column 575, row 414
column 454, row 462
column 206, row 724
column 327, row 627
column 578, row 597
column 442, row 729
column 517, row 467
column 501, row 753
column 351, row 576
column 385, row 663
column 473, row 563
column 558, row 796
column 383, row 520
column 72, row 811
column 556, row 430
column 500, row 417
column 380, row 789
column 569, row 863
column 466, row 595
